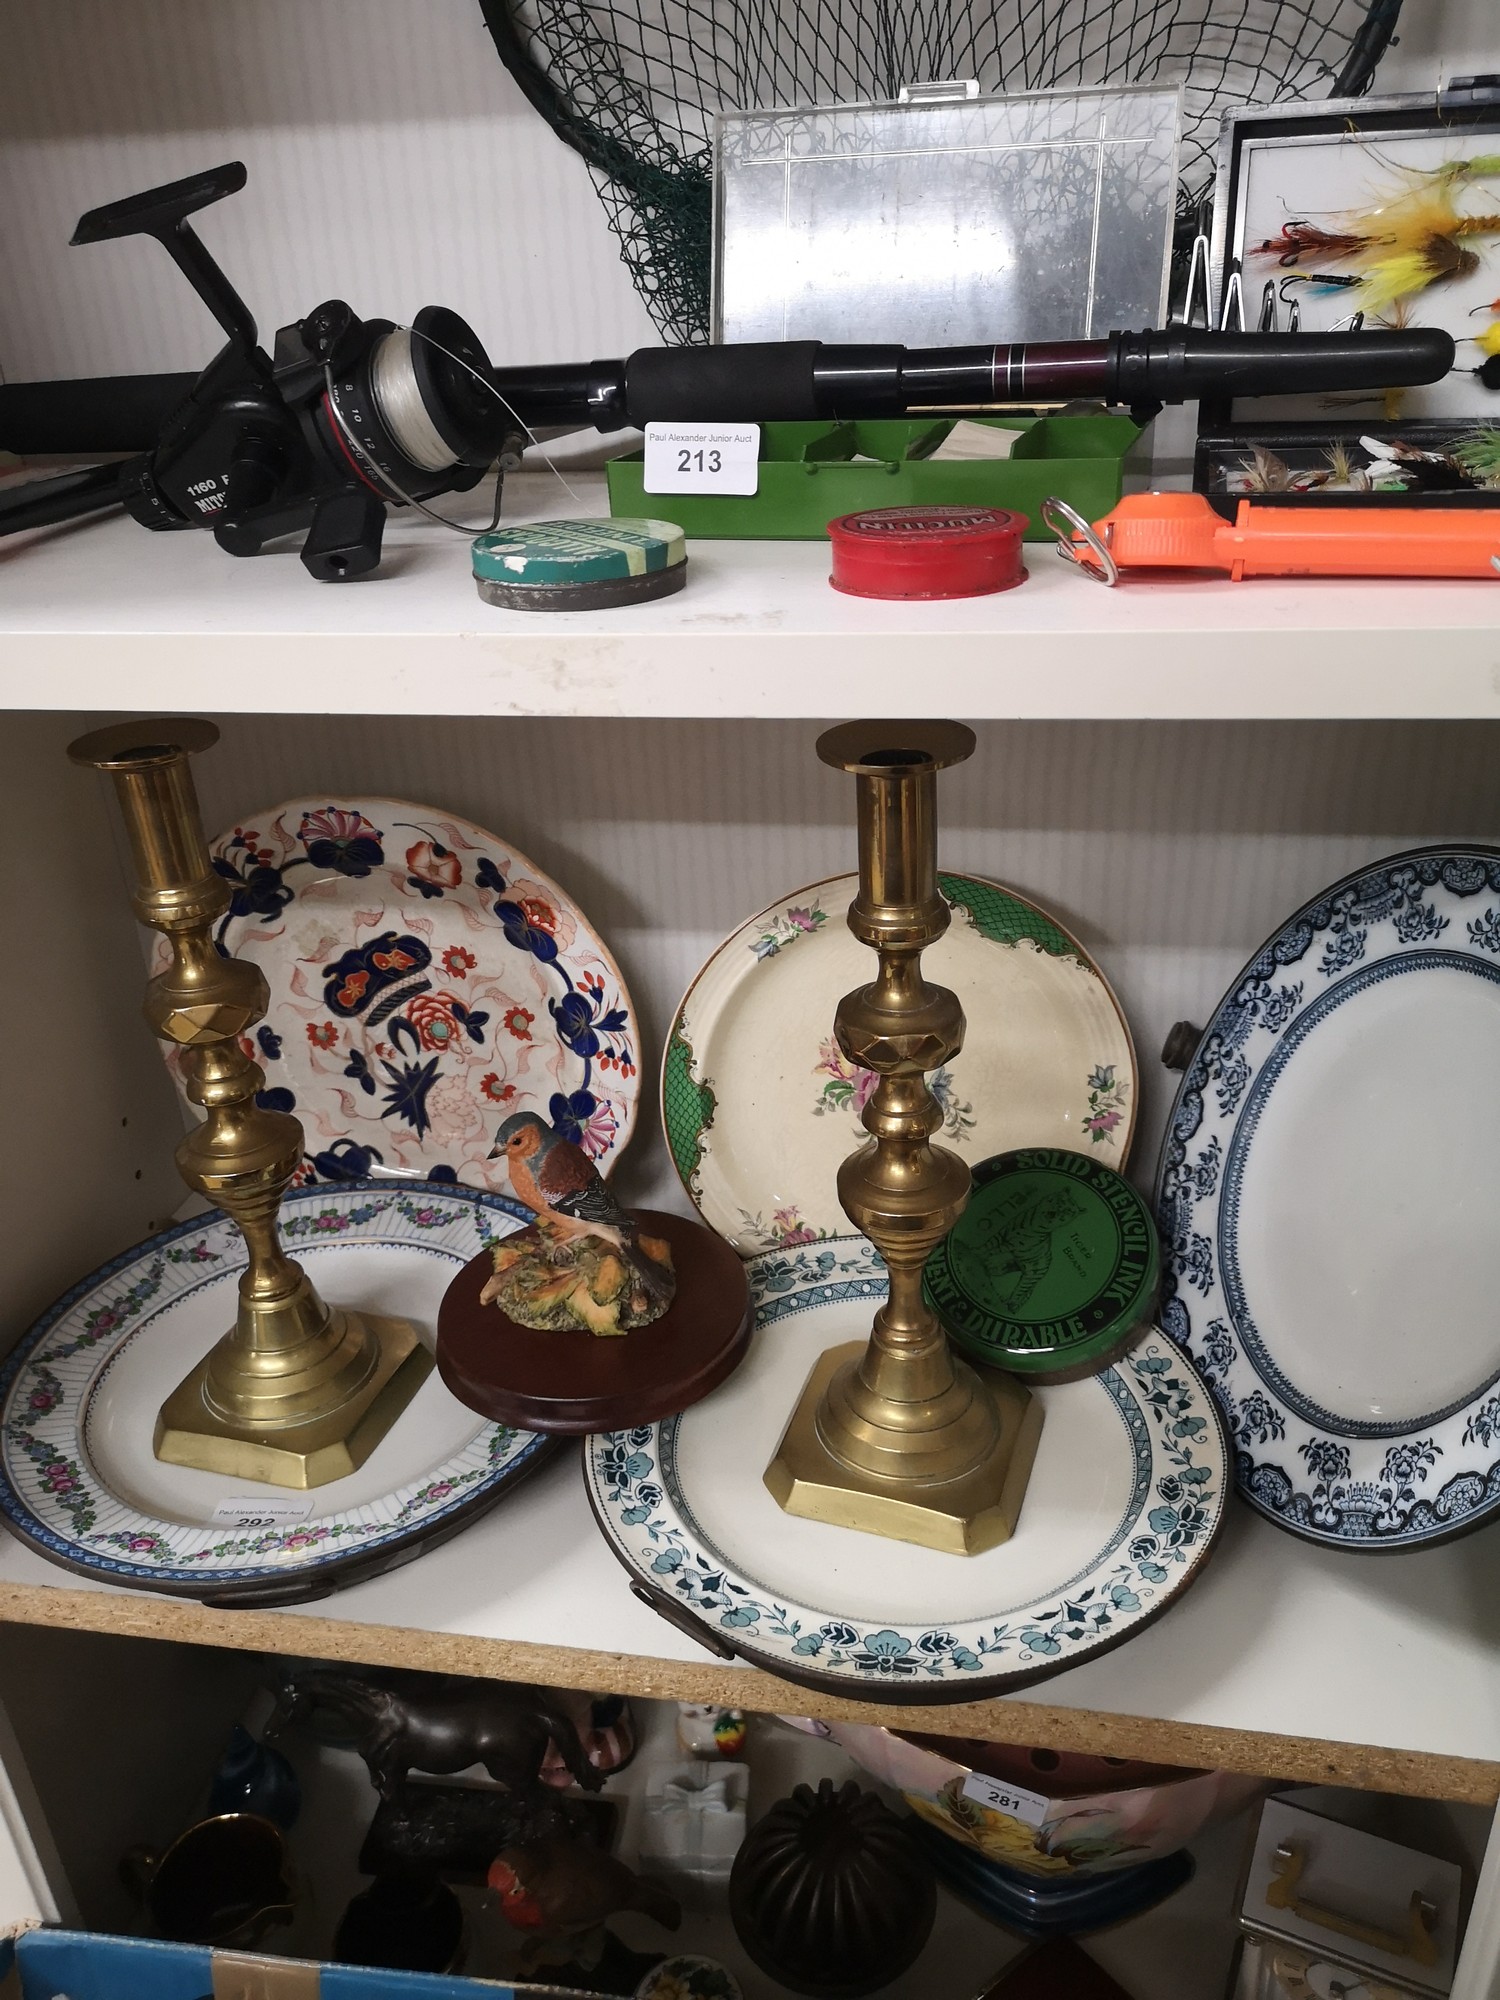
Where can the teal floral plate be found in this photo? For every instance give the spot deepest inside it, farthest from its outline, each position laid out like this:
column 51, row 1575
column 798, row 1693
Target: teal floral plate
column 1125, row 1500
column 78, row 1401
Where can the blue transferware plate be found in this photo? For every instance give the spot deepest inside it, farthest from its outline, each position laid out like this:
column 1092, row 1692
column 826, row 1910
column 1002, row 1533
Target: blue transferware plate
column 79, row 1395
column 1327, row 1196
column 1124, row 1502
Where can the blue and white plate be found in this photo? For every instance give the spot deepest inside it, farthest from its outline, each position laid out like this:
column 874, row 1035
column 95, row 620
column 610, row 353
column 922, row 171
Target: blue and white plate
column 79, row 1396
column 1327, row 1197
column 1124, row 1502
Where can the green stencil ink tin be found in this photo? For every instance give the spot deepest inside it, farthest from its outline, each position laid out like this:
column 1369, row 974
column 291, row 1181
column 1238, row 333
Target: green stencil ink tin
column 579, row 565
column 1052, row 1271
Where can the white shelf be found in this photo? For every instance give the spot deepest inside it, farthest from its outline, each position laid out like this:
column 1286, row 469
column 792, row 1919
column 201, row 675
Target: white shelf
column 1277, row 1640
column 103, row 615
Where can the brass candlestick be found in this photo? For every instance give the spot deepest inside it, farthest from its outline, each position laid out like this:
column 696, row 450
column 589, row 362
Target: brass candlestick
column 294, row 1394
column 897, row 1436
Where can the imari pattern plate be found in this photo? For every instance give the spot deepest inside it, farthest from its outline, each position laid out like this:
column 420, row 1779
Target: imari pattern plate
column 761, row 1106
column 426, row 981
column 79, row 1395
column 1327, row 1196
column 1125, row 1500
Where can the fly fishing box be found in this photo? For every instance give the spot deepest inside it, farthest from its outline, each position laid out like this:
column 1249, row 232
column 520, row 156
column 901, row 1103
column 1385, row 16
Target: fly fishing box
column 1387, row 208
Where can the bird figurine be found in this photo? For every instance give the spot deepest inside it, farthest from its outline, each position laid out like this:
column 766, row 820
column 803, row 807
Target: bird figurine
column 559, row 1888
column 584, row 1262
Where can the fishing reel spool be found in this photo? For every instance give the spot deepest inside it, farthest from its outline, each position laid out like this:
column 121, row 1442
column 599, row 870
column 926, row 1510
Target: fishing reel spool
column 407, row 404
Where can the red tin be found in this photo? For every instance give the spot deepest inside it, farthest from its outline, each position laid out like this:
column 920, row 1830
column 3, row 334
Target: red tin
column 933, row 551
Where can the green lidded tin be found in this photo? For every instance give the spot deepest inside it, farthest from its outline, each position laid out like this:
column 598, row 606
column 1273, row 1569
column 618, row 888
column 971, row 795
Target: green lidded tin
column 579, row 565
column 1052, row 1271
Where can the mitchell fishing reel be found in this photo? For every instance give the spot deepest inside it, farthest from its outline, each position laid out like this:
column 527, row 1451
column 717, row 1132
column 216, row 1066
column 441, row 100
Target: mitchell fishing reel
column 346, row 415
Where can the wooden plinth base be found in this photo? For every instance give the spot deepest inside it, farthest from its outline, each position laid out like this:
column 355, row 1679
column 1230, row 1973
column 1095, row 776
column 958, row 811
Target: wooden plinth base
column 572, row 1382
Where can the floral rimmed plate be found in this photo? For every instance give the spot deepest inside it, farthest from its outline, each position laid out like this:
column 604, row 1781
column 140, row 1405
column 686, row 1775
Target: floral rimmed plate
column 761, row 1107
column 426, row 981
column 1327, row 1195
column 1125, row 1500
column 79, row 1395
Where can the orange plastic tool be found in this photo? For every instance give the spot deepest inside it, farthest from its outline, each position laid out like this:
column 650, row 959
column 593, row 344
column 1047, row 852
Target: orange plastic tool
column 1182, row 531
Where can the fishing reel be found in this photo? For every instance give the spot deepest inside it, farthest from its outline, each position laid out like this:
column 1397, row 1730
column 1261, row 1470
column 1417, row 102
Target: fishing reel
column 344, row 417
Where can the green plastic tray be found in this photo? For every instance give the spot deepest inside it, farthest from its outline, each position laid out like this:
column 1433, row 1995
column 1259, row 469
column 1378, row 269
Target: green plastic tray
column 807, row 477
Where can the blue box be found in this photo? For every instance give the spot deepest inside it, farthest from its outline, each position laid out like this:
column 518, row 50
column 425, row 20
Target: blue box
column 82, row 1966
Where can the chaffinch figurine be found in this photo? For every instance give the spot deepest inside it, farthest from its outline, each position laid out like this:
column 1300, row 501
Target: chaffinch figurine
column 585, row 1262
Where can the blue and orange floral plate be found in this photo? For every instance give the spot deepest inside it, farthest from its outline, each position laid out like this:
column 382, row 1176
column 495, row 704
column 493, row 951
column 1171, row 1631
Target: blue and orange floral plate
column 1126, row 1497
column 426, row 981
column 1327, row 1200
column 78, row 1400
column 761, row 1106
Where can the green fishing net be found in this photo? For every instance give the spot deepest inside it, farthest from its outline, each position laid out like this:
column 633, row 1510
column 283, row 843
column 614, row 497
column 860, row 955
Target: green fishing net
column 634, row 85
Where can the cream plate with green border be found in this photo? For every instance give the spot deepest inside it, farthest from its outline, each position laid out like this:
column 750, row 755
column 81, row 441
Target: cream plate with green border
column 760, row 1105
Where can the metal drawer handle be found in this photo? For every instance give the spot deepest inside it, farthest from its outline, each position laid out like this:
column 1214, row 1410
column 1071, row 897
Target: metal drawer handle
column 1417, row 1943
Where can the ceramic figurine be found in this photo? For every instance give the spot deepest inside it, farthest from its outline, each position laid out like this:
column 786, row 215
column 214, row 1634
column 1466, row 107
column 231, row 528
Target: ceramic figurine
column 704, row 1730
column 606, row 1729
column 828, row 1894
column 516, row 1328
column 584, row 1262
column 561, row 1888
column 439, row 1723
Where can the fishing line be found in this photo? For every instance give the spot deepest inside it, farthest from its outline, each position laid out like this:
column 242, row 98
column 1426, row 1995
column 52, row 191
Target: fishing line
column 394, row 382
column 509, row 409
column 388, row 484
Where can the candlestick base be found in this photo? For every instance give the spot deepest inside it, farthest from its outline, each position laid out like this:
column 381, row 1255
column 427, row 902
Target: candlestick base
column 235, row 1415
column 961, row 1515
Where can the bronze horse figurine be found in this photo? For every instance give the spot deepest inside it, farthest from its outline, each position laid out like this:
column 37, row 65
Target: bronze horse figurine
column 438, row 1723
